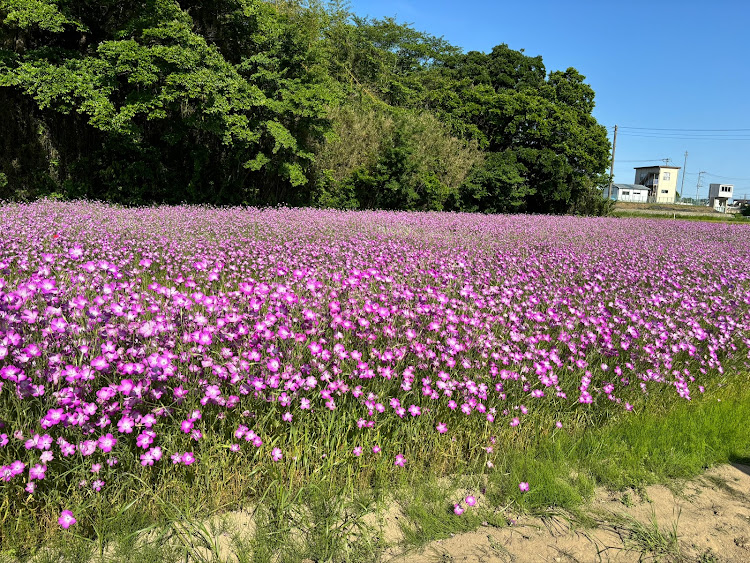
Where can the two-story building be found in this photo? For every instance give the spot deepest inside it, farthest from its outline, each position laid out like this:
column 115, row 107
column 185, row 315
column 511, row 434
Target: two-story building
column 719, row 195
column 661, row 182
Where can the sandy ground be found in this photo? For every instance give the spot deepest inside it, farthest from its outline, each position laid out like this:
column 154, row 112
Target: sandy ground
column 710, row 517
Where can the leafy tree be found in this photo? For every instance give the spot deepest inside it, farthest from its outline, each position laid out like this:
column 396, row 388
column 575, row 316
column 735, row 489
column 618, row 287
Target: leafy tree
column 217, row 101
column 497, row 185
column 231, row 101
column 384, row 157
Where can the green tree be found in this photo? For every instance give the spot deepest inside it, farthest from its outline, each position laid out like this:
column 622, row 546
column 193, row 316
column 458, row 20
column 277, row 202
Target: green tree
column 391, row 158
column 201, row 101
column 497, row 185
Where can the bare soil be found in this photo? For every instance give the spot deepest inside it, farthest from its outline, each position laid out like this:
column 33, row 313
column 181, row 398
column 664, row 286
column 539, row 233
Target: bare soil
column 705, row 519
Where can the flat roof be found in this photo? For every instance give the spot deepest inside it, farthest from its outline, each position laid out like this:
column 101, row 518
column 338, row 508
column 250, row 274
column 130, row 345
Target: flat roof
column 656, row 166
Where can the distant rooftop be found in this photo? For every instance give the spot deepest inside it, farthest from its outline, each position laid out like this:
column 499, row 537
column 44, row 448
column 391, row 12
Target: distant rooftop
column 656, row 166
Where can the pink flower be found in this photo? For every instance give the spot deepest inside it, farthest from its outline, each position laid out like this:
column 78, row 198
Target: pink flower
column 357, row 451
column 188, row 458
column 470, row 500
column 37, row 472
column 524, row 487
column 276, row 454
column 107, row 442
column 458, row 510
column 400, row 461
column 66, row 519
column 376, row 449
column 442, row 428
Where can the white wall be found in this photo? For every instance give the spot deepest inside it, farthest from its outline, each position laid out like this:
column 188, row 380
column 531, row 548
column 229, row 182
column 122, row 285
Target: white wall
column 634, row 196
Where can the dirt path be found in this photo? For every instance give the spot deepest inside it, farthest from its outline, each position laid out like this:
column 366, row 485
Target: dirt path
column 706, row 519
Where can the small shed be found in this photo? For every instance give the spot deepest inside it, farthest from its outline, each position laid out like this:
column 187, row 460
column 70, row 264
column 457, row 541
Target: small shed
column 634, row 193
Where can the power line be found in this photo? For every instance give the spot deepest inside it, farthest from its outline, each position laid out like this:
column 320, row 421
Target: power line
column 669, row 129
column 718, row 176
column 701, row 134
column 685, row 137
column 728, row 177
column 642, row 160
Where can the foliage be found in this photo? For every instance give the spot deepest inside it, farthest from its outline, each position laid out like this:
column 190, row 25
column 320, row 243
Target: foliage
column 166, row 103
column 390, row 158
column 236, row 101
column 496, row 186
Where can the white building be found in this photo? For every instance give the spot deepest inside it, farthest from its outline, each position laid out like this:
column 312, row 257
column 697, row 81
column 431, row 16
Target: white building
column 630, row 192
column 719, row 195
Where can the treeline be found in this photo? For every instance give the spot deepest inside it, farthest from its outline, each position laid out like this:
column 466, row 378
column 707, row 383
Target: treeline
column 262, row 103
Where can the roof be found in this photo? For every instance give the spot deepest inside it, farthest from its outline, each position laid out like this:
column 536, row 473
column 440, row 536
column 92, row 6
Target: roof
column 656, row 166
column 630, row 187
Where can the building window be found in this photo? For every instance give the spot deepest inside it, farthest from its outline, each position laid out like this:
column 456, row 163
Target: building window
column 665, row 191
column 665, row 176
column 625, row 193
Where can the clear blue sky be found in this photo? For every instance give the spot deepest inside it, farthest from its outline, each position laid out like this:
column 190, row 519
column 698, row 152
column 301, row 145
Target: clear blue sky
column 662, row 64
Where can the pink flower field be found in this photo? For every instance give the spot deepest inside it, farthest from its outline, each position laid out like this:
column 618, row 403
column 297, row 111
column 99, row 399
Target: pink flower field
column 149, row 342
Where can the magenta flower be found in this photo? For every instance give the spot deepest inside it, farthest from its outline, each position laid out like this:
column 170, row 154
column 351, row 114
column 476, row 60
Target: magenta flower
column 276, row 454
column 470, row 500
column 107, row 442
column 524, row 487
column 458, row 509
column 400, row 461
column 442, row 427
column 37, row 472
column 66, row 519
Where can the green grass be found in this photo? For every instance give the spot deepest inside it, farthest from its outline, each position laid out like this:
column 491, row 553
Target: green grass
column 324, row 517
column 649, row 538
column 719, row 218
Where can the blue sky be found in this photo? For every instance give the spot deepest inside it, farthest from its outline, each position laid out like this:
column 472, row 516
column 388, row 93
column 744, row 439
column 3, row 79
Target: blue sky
column 653, row 65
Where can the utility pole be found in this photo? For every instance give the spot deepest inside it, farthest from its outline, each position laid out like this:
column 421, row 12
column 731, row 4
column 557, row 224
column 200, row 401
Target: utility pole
column 699, row 185
column 684, row 171
column 612, row 166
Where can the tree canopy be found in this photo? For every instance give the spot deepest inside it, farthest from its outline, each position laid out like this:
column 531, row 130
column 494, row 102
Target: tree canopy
column 257, row 102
